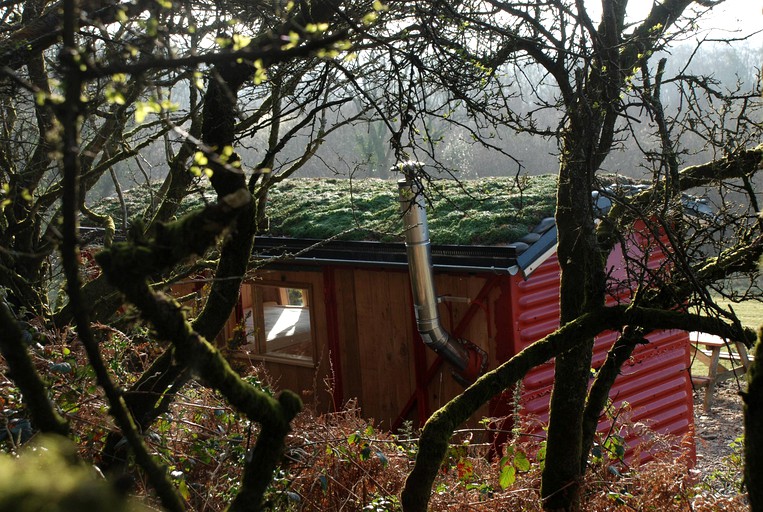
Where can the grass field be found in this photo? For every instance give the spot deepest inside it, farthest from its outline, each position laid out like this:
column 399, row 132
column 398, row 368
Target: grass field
column 749, row 312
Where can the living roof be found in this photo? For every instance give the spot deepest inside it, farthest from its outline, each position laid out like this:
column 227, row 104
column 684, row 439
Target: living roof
column 486, row 211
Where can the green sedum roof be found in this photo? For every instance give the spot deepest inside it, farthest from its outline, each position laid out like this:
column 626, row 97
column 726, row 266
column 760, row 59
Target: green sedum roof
column 486, row 211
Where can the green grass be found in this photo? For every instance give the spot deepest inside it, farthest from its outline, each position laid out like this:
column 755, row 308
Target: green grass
column 487, row 211
column 750, row 312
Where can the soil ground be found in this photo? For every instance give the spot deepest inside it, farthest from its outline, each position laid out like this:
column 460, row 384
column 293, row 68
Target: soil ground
column 718, row 438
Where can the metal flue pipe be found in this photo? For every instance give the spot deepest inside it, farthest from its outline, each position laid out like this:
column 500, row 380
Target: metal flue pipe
column 467, row 359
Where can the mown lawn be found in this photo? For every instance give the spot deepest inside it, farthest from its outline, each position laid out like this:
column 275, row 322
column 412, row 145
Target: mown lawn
column 749, row 312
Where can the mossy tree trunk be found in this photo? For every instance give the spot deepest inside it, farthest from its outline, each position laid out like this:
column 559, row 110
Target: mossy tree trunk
column 70, row 115
column 753, row 429
column 598, row 395
column 433, row 443
column 592, row 98
column 592, row 102
column 582, row 283
column 152, row 394
column 128, row 265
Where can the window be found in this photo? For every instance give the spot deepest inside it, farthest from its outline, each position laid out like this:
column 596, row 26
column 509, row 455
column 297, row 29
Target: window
column 277, row 322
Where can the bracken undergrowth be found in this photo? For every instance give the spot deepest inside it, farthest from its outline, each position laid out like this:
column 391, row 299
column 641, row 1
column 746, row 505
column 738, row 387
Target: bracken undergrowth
column 335, row 461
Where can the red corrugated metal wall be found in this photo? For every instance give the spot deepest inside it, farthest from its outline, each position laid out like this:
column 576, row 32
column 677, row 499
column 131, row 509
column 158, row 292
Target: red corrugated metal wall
column 655, row 383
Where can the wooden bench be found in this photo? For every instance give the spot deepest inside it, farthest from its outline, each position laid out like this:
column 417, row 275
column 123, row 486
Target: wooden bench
column 709, row 349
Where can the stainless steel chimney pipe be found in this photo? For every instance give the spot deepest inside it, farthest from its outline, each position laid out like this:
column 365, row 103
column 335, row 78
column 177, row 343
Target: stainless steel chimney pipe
column 418, row 249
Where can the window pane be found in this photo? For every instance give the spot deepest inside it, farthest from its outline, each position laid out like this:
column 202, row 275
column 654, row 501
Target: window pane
column 287, row 322
column 277, row 321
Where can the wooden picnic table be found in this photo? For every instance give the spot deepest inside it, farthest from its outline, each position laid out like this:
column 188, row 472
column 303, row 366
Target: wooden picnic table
column 721, row 364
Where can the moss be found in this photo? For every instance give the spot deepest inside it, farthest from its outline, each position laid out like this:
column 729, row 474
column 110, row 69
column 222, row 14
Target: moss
column 48, row 477
column 487, row 211
column 753, row 428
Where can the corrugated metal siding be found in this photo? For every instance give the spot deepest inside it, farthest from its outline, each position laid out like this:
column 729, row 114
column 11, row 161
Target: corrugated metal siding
column 655, row 383
column 536, row 315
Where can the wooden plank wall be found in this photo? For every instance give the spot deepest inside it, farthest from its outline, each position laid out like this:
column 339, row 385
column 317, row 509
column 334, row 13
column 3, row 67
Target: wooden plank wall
column 480, row 331
column 351, row 371
column 377, row 332
column 384, row 338
column 377, row 336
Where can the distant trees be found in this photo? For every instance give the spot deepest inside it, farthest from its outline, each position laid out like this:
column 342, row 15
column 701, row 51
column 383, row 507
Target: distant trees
column 247, row 94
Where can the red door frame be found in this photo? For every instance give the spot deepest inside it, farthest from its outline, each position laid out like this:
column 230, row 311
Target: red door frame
column 332, row 333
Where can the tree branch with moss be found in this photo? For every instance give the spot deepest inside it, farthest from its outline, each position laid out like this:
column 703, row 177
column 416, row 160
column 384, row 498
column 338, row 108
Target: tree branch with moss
column 70, row 117
column 21, row 370
column 433, row 442
column 127, row 266
column 753, row 428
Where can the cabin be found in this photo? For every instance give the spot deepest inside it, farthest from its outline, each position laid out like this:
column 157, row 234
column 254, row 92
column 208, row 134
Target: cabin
column 337, row 320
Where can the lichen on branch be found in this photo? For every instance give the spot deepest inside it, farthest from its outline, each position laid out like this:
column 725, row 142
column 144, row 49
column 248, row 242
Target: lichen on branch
column 127, row 266
column 439, row 428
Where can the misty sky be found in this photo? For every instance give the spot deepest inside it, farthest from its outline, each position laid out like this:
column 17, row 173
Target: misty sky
column 730, row 19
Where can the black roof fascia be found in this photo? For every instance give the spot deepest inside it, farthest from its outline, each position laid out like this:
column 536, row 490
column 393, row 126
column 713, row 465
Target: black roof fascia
column 536, row 253
column 449, row 258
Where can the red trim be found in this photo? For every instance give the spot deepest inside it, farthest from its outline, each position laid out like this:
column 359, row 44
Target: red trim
column 420, row 369
column 501, row 405
column 332, row 331
column 476, row 305
column 238, row 312
column 504, row 324
column 430, row 373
